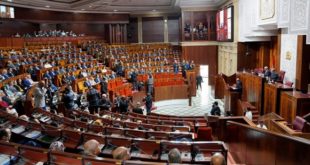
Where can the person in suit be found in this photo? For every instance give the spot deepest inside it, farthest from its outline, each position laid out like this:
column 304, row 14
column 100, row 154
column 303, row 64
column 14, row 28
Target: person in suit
column 150, row 83
column 266, row 72
column 199, row 80
column 239, row 85
column 274, row 75
column 39, row 95
column 138, row 109
column 27, row 82
column 104, row 86
column 68, row 98
column 148, row 103
column 5, row 134
column 93, row 98
column 215, row 111
column 124, row 103
column 105, row 102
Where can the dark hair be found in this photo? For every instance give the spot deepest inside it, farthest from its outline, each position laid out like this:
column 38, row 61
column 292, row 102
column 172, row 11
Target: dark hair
column 216, row 103
column 3, row 133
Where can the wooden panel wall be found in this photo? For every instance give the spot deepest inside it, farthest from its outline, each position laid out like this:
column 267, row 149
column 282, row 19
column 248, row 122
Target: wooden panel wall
column 203, row 55
column 153, row 29
column 258, row 55
column 249, row 145
column 173, row 29
column 132, row 31
column 87, row 29
column 303, row 64
column 36, row 15
column 11, row 27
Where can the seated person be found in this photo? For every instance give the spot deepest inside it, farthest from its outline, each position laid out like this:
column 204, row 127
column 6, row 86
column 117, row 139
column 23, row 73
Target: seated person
column 218, row 159
column 91, row 148
column 27, row 82
column 105, row 102
column 121, row 153
column 5, row 134
column 273, row 75
column 47, row 75
column 215, row 111
column 57, row 146
column 87, row 83
column 261, row 124
column 266, row 72
column 92, row 81
column 174, row 156
column 138, row 109
column 4, row 74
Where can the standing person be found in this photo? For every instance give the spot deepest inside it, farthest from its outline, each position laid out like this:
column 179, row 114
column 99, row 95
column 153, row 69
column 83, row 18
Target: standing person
column 124, row 103
column 238, row 85
column 39, row 95
column 93, row 97
column 199, row 80
column 104, row 86
column 150, row 82
column 68, row 99
column 148, row 103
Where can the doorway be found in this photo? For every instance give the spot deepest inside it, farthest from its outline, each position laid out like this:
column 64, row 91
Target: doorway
column 204, row 71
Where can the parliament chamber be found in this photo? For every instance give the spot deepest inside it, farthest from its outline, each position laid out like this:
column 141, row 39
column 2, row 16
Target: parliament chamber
column 87, row 82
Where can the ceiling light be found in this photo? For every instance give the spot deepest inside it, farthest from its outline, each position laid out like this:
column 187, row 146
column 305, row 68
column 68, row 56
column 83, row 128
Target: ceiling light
column 47, row 6
column 90, row 6
column 82, row 9
column 115, row 10
column 154, row 10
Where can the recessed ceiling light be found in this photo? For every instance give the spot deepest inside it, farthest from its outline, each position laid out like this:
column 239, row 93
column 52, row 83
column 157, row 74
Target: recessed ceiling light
column 47, row 6
column 154, row 10
column 115, row 10
column 82, row 9
column 89, row 6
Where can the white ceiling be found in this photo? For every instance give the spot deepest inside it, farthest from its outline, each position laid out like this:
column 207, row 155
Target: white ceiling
column 118, row 6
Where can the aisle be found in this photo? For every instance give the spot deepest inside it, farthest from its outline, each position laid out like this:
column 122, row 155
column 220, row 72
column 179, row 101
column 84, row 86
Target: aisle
column 201, row 104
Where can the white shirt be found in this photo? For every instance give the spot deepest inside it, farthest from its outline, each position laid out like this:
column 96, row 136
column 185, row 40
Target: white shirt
column 249, row 115
column 263, row 126
column 39, row 97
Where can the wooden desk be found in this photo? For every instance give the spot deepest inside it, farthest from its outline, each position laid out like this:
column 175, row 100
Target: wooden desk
column 171, row 92
column 294, row 104
column 253, row 89
column 272, row 93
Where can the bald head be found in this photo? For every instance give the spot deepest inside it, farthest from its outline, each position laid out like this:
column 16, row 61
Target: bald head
column 218, row 159
column 121, row 153
column 91, row 147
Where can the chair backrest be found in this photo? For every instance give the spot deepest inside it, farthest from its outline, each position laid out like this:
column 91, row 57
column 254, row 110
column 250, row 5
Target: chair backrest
column 307, row 117
column 306, row 128
column 281, row 75
column 298, row 123
column 289, row 83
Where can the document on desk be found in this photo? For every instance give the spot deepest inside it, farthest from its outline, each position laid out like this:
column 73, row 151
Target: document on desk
column 4, row 159
column 18, row 129
column 199, row 158
column 33, row 134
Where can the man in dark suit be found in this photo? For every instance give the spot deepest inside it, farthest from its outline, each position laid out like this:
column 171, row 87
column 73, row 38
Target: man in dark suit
column 199, row 80
column 93, row 99
column 238, row 85
column 138, row 109
column 148, row 103
column 266, row 72
column 274, row 76
column 215, row 109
